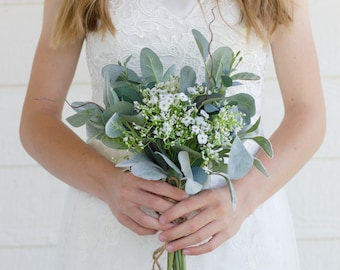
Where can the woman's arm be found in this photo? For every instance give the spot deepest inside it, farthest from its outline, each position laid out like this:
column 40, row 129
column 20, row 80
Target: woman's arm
column 48, row 140
column 295, row 141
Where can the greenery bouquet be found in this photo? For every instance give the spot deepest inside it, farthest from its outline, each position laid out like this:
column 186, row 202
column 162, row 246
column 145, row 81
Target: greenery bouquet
column 177, row 130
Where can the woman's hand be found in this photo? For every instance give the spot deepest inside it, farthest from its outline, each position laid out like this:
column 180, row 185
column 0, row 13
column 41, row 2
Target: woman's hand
column 214, row 223
column 127, row 195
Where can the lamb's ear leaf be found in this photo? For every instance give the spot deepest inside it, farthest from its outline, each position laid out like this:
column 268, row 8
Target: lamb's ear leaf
column 202, row 43
column 188, row 78
column 240, row 160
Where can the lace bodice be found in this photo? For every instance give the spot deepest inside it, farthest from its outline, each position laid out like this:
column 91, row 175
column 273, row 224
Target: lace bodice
column 166, row 29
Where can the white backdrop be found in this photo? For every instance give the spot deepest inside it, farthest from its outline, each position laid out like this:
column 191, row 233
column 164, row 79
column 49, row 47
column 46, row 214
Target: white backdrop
column 31, row 200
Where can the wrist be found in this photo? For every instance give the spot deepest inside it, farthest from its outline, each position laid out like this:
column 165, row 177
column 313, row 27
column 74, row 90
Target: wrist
column 248, row 193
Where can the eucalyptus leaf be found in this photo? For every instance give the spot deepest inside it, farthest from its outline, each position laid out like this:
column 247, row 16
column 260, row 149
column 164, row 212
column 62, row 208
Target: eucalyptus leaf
column 202, row 43
column 222, row 58
column 188, row 78
column 127, row 93
column 113, row 127
column 245, row 104
column 113, row 143
column 80, row 106
column 240, row 160
column 170, row 72
column 209, row 108
column 79, row 119
column 121, row 107
column 151, row 66
column 93, row 131
column 245, row 76
column 148, row 170
column 113, row 71
column 110, row 96
column 142, row 167
column 137, row 119
column 226, row 81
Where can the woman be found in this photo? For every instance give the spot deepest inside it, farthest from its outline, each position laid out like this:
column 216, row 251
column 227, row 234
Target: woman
column 105, row 226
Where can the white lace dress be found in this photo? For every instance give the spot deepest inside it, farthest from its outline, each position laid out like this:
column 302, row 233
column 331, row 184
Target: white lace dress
column 92, row 239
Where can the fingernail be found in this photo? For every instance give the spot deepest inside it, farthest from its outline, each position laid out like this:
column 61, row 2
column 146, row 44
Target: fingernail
column 186, row 252
column 162, row 238
column 169, row 248
column 163, row 220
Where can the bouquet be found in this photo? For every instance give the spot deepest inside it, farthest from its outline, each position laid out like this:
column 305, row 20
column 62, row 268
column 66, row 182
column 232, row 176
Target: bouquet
column 178, row 130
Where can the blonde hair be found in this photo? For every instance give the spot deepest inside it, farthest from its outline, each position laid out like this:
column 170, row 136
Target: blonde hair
column 78, row 17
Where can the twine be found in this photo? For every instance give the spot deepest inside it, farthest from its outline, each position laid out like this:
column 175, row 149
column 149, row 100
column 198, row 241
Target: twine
column 156, row 255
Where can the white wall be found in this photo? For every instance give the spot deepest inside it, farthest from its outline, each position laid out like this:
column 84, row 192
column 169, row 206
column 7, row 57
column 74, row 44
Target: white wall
column 31, row 200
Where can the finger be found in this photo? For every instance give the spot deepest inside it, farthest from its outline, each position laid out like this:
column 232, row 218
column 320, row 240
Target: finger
column 213, row 243
column 163, row 189
column 182, row 209
column 200, row 238
column 152, row 201
column 186, row 228
column 134, row 226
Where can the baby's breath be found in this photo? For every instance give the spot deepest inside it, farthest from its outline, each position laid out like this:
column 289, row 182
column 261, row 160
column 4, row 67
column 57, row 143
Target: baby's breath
column 172, row 118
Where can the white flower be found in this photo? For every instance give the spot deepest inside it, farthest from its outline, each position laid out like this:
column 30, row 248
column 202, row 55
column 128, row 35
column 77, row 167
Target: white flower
column 204, row 114
column 153, row 100
column 166, row 102
column 187, row 120
column 196, row 129
column 192, row 90
column 202, row 138
column 183, row 97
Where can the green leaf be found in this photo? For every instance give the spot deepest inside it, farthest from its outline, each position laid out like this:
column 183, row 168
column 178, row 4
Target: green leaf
column 226, row 81
column 199, row 174
column 151, row 66
column 255, row 126
column 127, row 92
column 265, row 144
column 230, row 187
column 80, row 106
column 121, row 107
column 110, row 96
column 79, row 119
column 113, row 143
column 192, row 153
column 258, row 164
column 93, row 131
column 113, row 127
column 184, row 161
column 188, row 78
column 245, row 76
column 170, row 163
column 240, row 161
column 170, row 72
column 113, row 71
column 245, row 104
column 136, row 118
column 142, row 167
column 222, row 58
column 202, row 43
